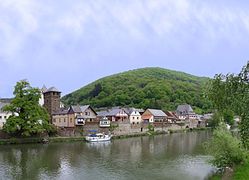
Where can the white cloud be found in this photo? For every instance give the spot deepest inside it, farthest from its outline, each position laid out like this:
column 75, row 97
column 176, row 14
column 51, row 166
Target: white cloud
column 17, row 21
column 131, row 19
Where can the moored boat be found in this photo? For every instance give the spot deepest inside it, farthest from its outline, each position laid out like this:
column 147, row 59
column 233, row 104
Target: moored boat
column 98, row 137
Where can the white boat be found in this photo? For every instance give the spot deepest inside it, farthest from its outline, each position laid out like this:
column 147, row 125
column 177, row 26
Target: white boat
column 98, row 137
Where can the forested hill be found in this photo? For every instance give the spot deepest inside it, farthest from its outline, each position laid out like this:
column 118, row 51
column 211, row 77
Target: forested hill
column 142, row 88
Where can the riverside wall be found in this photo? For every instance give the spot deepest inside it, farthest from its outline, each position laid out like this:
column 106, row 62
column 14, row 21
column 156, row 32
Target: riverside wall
column 118, row 130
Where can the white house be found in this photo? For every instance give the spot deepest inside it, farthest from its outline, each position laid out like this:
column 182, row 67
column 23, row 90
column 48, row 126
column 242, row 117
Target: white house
column 134, row 115
column 104, row 122
column 3, row 115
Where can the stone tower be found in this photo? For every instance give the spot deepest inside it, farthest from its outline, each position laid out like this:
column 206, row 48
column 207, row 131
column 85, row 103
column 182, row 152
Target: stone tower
column 52, row 100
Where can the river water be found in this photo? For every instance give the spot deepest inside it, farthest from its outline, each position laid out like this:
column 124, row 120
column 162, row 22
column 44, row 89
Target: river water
column 176, row 156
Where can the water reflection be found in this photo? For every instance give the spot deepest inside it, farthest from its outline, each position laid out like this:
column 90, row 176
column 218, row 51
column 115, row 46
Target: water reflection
column 173, row 156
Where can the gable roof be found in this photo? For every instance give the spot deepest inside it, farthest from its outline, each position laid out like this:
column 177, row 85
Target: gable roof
column 157, row 112
column 76, row 109
column 84, row 108
column 43, row 89
column 115, row 111
column 129, row 111
column 171, row 115
column 186, row 108
column 79, row 109
column 62, row 111
column 102, row 113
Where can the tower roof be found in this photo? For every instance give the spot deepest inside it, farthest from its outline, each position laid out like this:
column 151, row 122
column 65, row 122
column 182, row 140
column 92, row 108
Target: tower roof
column 52, row 89
column 44, row 88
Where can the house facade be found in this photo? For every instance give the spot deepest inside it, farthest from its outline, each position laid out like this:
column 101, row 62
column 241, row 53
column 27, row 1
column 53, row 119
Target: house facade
column 82, row 114
column 185, row 112
column 62, row 119
column 104, row 122
column 3, row 115
column 154, row 116
column 115, row 114
column 133, row 115
column 172, row 117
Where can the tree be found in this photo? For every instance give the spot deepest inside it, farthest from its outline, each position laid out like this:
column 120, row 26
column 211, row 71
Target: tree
column 225, row 148
column 230, row 95
column 28, row 117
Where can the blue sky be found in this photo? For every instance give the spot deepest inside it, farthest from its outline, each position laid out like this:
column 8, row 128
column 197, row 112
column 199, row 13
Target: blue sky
column 70, row 43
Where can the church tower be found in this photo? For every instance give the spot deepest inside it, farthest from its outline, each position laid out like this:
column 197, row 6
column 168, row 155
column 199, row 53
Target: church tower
column 52, row 100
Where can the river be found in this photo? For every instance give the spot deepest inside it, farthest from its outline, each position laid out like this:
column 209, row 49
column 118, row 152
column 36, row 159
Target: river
column 175, row 156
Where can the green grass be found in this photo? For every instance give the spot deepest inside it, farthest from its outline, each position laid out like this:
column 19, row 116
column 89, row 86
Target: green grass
column 215, row 177
column 242, row 171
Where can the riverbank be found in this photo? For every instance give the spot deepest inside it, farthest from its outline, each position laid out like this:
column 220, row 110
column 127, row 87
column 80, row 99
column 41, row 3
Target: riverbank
column 82, row 138
column 240, row 172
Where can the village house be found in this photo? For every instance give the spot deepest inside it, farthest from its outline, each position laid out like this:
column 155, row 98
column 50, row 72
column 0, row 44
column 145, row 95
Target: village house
column 118, row 115
column 82, row 114
column 104, row 122
column 62, row 119
column 185, row 112
column 74, row 116
column 133, row 115
column 115, row 114
column 3, row 115
column 154, row 116
column 172, row 117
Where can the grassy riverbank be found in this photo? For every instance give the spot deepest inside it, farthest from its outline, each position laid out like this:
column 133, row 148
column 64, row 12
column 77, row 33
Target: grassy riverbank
column 39, row 140
column 82, row 138
column 242, row 171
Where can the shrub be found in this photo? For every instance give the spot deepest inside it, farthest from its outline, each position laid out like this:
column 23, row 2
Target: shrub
column 151, row 128
column 225, row 148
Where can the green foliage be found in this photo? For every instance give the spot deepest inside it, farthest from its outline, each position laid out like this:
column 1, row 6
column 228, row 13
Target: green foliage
column 143, row 88
column 113, row 127
column 229, row 94
column 150, row 128
column 215, row 121
column 225, row 149
column 229, row 117
column 28, row 117
column 242, row 171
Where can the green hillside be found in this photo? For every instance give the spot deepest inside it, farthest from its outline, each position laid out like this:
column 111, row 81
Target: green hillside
column 142, row 88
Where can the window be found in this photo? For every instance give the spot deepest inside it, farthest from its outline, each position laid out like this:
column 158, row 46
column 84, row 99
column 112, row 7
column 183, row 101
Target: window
column 71, row 120
column 64, row 119
column 0, row 117
column 59, row 120
column 5, row 117
column 137, row 117
column 137, row 122
column 54, row 120
column 86, row 113
column 133, row 123
column 133, row 117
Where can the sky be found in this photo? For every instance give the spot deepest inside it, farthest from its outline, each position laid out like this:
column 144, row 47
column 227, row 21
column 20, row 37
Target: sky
column 70, row 43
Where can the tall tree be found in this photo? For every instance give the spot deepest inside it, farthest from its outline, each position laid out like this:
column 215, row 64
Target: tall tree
column 28, row 117
column 230, row 93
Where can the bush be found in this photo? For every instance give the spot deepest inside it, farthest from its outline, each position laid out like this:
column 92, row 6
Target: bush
column 226, row 149
column 151, row 128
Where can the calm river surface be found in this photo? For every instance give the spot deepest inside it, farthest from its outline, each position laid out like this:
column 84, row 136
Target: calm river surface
column 176, row 156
